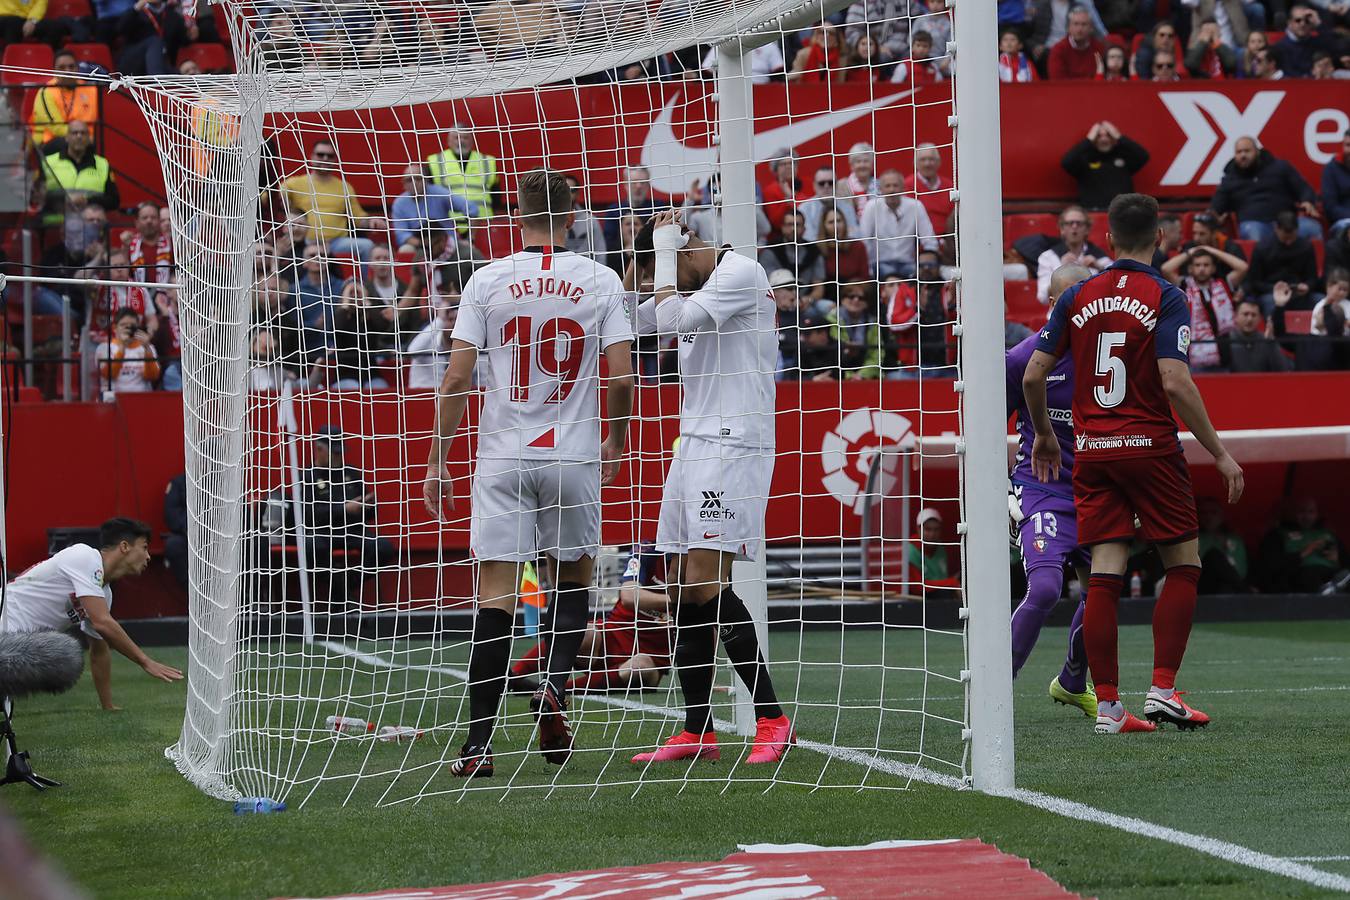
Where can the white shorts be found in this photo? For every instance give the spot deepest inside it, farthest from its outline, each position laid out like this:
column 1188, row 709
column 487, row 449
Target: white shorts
column 714, row 498
column 524, row 507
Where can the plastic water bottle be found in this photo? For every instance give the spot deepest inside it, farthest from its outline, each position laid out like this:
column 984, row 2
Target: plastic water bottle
column 1136, row 586
column 247, row 805
column 394, row 734
column 350, row 725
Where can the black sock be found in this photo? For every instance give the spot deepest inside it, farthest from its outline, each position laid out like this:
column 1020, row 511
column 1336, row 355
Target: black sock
column 695, row 649
column 571, row 608
column 742, row 645
column 487, row 670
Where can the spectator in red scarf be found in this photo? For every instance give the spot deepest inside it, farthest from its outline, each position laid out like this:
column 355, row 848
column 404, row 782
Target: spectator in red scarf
column 923, row 68
column 1209, row 56
column 845, row 259
column 784, row 192
column 150, row 248
column 1075, row 56
column 822, row 59
column 864, row 58
column 1014, row 66
column 1213, row 302
column 932, row 188
column 1112, row 66
column 112, row 299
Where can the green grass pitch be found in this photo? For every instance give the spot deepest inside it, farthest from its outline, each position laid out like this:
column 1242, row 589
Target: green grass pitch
column 1268, row 775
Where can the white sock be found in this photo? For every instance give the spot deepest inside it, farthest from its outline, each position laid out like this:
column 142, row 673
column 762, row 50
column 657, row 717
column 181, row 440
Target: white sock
column 1165, row 693
column 1113, row 708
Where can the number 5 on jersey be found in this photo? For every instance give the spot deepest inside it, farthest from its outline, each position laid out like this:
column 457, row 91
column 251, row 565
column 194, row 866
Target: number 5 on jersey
column 560, row 342
column 1110, row 367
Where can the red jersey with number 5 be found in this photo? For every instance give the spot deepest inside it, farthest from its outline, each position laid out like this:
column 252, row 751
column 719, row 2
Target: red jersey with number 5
column 1117, row 325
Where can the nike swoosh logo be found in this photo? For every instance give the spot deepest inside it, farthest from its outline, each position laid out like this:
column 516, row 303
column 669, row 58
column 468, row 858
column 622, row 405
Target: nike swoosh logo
column 674, row 165
column 709, row 535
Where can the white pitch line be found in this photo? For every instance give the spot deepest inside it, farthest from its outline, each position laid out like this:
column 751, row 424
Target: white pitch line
column 1320, row 858
column 1224, row 850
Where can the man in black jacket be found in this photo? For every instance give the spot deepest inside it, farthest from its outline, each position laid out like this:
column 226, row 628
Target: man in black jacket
column 1104, row 163
column 1303, row 39
column 1250, row 349
column 176, row 520
column 1258, row 186
column 1284, row 258
column 337, row 505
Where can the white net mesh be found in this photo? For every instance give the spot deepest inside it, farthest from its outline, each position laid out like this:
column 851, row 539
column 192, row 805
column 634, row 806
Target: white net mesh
column 330, row 206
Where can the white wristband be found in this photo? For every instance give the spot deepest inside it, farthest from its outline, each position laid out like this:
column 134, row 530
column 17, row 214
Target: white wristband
column 665, row 269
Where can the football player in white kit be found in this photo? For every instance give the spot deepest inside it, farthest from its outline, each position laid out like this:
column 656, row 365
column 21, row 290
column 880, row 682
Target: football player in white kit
column 544, row 316
column 73, row 587
column 713, row 504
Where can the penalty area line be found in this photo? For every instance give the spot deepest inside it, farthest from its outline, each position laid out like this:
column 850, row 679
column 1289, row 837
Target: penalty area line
column 1071, row 809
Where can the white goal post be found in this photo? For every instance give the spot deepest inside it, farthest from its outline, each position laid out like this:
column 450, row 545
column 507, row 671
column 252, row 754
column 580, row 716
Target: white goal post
column 882, row 703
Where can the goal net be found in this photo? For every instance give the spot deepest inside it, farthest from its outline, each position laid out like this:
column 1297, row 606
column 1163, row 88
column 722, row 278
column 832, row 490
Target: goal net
column 330, row 202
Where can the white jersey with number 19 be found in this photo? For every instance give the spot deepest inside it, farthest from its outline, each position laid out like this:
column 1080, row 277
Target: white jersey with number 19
column 544, row 316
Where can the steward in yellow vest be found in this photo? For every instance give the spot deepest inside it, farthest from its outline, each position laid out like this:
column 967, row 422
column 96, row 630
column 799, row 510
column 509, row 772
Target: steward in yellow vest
column 466, row 173
column 77, row 176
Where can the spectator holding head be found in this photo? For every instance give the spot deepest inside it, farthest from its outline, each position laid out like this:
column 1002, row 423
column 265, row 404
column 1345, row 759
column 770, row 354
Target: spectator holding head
column 584, row 235
column 932, row 187
column 1014, row 66
column 1284, row 258
column 128, row 362
column 1205, row 233
column 1104, row 163
column 329, row 204
column 861, row 183
column 1302, row 40
column 424, row 205
column 1073, row 247
column 1211, row 300
column 824, row 199
column 893, row 227
column 784, row 192
column 1336, row 189
column 857, row 332
column 468, row 173
column 75, row 176
column 845, row 259
column 1257, row 186
column 64, row 100
column 1112, row 65
column 1208, row 56
column 635, row 199
column 1076, row 56
column 1250, row 349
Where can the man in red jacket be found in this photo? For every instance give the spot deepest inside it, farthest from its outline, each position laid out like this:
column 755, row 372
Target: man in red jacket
column 1075, row 56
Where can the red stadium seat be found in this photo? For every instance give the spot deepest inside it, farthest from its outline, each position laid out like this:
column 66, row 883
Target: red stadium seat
column 25, row 56
column 29, row 394
column 1320, row 251
column 75, row 9
column 1247, row 248
column 98, row 54
column 496, row 237
column 347, row 266
column 1099, row 229
column 212, row 58
column 1298, row 321
column 1020, row 298
column 1022, row 224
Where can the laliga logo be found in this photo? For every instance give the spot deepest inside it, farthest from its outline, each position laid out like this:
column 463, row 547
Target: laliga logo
column 878, row 428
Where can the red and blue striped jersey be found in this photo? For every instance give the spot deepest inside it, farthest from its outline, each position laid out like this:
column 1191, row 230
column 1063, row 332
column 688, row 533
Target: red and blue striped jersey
column 1117, row 325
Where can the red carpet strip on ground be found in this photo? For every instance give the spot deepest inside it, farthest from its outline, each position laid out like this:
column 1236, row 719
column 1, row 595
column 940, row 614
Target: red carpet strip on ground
column 967, row 869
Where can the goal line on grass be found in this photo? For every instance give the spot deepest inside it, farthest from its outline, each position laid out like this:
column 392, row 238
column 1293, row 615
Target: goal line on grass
column 1224, row 850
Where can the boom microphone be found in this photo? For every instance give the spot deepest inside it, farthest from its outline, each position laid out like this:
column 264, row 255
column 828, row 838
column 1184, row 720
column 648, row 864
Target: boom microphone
column 46, row 662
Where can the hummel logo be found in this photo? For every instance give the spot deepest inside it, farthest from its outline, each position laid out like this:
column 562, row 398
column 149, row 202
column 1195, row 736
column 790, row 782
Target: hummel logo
column 1120, row 285
column 712, row 499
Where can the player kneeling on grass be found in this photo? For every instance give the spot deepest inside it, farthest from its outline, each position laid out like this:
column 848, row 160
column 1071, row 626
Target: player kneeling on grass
column 74, row 588
column 713, row 502
column 1128, row 331
column 543, row 316
column 1043, row 516
column 628, row 648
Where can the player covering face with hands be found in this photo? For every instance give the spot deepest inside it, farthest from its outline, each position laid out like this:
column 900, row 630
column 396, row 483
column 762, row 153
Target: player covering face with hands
column 543, row 316
column 720, row 306
column 1128, row 331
